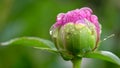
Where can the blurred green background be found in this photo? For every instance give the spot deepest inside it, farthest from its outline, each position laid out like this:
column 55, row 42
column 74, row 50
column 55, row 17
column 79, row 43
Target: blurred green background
column 20, row 18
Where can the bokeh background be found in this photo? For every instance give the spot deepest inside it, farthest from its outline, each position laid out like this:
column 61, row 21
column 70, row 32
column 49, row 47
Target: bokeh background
column 20, row 18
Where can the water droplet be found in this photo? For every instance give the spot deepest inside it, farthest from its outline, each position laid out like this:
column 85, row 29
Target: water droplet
column 50, row 32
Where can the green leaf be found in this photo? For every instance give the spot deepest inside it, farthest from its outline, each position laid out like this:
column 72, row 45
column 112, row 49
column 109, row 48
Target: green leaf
column 104, row 55
column 35, row 42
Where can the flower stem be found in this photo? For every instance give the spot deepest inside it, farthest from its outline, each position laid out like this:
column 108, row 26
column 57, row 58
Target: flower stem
column 76, row 62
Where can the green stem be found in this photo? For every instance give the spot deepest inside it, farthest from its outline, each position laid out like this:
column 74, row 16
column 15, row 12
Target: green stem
column 76, row 62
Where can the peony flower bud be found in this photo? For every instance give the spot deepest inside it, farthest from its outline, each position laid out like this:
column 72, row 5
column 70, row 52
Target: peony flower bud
column 76, row 32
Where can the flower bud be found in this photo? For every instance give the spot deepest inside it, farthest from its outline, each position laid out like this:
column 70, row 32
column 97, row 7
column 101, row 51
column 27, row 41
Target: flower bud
column 76, row 33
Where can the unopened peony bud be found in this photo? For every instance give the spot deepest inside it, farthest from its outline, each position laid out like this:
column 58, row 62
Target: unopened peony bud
column 76, row 32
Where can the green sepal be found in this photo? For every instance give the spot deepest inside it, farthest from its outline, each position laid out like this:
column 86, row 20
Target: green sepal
column 78, row 38
column 34, row 42
column 104, row 55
